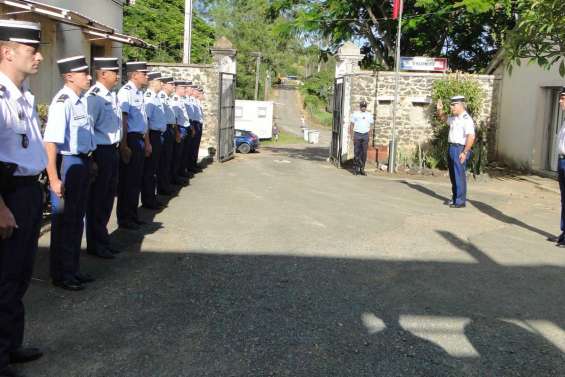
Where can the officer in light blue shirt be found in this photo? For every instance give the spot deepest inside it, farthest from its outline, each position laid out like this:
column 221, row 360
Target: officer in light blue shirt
column 107, row 122
column 183, row 124
column 188, row 141
column 134, row 147
column 164, row 178
column 22, row 158
column 157, row 121
column 69, row 140
column 361, row 122
column 195, row 114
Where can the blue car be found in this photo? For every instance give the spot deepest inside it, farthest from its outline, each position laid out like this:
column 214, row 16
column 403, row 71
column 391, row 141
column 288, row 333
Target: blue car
column 245, row 141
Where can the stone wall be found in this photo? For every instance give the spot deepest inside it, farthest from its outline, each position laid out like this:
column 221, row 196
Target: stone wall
column 415, row 109
column 206, row 76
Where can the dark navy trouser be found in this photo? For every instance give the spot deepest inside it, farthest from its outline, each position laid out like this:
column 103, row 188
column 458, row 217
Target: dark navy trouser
column 131, row 176
column 101, row 197
column 150, row 167
column 360, row 145
column 561, row 172
column 195, row 145
column 67, row 219
column 164, row 170
column 17, row 256
column 457, row 173
column 187, row 150
column 178, row 153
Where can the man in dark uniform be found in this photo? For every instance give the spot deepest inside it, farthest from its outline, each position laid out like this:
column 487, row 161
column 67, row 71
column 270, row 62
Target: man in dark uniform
column 22, row 158
column 561, row 168
column 134, row 147
column 69, row 141
column 107, row 122
column 361, row 122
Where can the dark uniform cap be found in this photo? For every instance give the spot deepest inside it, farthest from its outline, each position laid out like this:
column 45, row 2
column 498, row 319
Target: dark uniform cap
column 457, row 99
column 154, row 75
column 363, row 104
column 136, row 67
column 106, row 64
column 20, row 32
column 186, row 83
column 562, row 93
column 167, row 80
column 74, row 64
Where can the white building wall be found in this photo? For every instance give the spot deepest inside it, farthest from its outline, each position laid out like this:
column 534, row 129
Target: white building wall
column 525, row 115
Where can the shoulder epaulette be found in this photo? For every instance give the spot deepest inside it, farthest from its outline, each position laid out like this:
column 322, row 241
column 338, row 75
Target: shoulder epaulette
column 148, row 94
column 2, row 90
column 128, row 87
column 175, row 98
column 94, row 91
column 62, row 98
column 465, row 116
column 162, row 95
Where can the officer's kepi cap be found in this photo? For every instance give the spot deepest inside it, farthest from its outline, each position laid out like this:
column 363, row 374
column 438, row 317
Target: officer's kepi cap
column 167, row 80
column 106, row 64
column 363, row 104
column 562, row 93
column 186, row 83
column 136, row 67
column 457, row 99
column 20, row 32
column 154, row 75
column 74, row 64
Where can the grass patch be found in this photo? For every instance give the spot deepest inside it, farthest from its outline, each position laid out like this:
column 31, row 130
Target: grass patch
column 284, row 138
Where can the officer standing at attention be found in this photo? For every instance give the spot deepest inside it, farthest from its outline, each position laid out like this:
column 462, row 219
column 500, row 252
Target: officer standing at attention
column 187, row 149
column 134, row 147
column 164, row 170
column 198, row 95
column 194, row 115
column 157, row 123
column 69, row 141
column 561, row 168
column 22, row 158
column 361, row 122
column 461, row 138
column 182, row 121
column 107, row 122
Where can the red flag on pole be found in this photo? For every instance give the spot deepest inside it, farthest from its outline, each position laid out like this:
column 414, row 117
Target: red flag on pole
column 395, row 9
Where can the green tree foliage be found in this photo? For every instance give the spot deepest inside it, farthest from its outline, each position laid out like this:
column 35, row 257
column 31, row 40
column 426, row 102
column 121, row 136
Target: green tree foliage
column 468, row 32
column 161, row 23
column 539, row 34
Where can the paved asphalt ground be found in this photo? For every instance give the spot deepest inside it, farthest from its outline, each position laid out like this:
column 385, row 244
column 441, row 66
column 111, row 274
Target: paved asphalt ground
column 278, row 264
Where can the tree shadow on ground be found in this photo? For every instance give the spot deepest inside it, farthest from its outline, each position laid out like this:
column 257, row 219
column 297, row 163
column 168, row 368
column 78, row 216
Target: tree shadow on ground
column 308, row 153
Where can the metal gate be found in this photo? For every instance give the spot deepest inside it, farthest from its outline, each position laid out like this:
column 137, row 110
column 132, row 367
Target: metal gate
column 335, row 149
column 226, row 117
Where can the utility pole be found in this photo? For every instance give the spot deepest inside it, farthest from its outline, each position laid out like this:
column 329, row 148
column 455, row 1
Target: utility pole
column 267, row 85
column 392, row 149
column 187, row 32
column 257, row 72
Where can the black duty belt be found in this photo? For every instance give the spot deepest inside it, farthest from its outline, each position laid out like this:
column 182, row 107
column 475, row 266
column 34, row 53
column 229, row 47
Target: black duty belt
column 457, row 144
column 84, row 155
column 561, row 156
column 19, row 181
column 138, row 134
column 108, row 146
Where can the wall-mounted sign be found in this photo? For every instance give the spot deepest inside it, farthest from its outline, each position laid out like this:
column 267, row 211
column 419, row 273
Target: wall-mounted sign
column 420, row 63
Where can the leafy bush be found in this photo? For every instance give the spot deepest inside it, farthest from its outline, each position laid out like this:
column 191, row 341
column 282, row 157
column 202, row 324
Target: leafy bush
column 453, row 85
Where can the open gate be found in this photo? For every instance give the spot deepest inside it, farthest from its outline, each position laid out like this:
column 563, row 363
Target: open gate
column 337, row 126
column 226, row 117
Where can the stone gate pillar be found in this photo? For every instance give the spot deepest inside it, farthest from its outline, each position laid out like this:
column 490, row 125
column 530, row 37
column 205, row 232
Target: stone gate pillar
column 347, row 60
column 224, row 54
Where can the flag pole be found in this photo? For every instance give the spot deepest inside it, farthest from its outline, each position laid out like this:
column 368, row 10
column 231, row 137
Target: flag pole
column 392, row 151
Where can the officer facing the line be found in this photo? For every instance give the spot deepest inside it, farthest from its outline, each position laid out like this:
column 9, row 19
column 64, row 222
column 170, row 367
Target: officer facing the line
column 361, row 122
column 107, row 122
column 164, row 170
column 461, row 138
column 69, row 141
column 134, row 147
column 561, row 168
column 22, row 158
column 157, row 123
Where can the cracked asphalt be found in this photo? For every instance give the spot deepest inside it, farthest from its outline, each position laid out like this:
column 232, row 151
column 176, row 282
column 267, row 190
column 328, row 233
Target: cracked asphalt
column 278, row 264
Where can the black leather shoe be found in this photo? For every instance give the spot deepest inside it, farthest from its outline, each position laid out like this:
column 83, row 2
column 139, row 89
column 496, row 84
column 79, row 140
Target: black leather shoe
column 113, row 250
column 69, row 285
column 457, row 206
column 101, row 253
column 166, row 192
column 179, row 181
column 139, row 222
column 25, row 355
column 152, row 206
column 10, row 372
column 129, row 225
column 363, row 172
column 561, row 238
column 84, row 278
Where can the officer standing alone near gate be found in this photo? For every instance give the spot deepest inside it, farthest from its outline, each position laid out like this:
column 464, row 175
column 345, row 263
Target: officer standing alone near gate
column 69, row 141
column 107, row 122
column 134, row 147
column 361, row 122
column 461, row 138
column 22, row 158
column 561, row 168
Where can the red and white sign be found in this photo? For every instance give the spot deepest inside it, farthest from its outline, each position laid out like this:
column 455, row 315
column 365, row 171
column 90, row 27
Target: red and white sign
column 421, row 63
